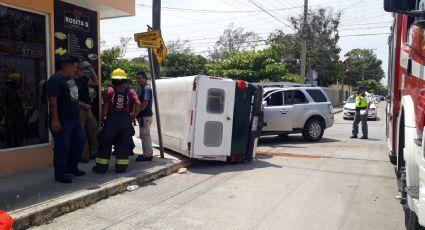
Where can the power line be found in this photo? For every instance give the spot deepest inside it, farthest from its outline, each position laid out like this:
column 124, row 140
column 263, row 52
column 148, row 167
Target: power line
column 215, row 11
column 363, row 35
column 265, row 11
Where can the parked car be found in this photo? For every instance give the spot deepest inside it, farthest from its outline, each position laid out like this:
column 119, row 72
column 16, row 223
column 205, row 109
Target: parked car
column 350, row 109
column 305, row 110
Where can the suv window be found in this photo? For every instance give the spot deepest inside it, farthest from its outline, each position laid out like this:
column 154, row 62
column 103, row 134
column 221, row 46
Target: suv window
column 275, row 99
column 317, row 95
column 288, row 97
column 299, row 97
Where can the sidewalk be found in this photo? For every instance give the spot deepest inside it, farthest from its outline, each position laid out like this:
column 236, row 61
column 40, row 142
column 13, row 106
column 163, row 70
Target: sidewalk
column 34, row 198
column 338, row 109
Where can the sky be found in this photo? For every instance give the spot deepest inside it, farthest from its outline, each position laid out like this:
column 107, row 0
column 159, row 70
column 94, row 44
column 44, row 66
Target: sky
column 364, row 23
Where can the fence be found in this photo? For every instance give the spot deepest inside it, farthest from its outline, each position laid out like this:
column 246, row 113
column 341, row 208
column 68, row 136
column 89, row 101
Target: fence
column 337, row 96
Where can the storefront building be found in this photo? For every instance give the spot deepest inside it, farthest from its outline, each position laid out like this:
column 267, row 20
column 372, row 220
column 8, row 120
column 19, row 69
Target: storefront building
column 32, row 35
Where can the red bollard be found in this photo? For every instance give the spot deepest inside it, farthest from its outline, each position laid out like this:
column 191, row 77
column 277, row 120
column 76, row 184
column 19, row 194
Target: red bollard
column 6, row 221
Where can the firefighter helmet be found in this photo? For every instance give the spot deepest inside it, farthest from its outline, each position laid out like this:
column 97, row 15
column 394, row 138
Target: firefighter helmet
column 119, row 74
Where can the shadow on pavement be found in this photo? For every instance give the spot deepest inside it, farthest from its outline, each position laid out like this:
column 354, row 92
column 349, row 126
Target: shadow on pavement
column 215, row 167
column 38, row 186
column 273, row 141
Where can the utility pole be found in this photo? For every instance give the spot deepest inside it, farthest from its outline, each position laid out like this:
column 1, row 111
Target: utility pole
column 156, row 24
column 304, row 44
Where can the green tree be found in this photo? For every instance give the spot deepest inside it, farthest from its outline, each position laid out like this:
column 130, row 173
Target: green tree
column 111, row 60
column 363, row 64
column 177, row 65
column 179, row 47
column 372, row 86
column 253, row 66
column 234, row 39
column 322, row 49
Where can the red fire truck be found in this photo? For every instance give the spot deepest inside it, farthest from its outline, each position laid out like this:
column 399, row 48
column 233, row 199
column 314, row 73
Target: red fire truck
column 406, row 105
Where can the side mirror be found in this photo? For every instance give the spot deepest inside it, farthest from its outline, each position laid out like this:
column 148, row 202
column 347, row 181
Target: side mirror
column 264, row 103
column 396, row 5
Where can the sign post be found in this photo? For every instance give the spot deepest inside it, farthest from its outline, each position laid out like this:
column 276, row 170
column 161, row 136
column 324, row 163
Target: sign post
column 156, row 46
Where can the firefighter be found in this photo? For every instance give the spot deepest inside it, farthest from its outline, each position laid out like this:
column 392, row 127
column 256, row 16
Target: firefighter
column 117, row 127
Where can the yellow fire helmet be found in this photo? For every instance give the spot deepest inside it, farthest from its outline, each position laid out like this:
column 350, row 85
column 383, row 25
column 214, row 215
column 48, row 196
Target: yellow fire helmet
column 119, row 74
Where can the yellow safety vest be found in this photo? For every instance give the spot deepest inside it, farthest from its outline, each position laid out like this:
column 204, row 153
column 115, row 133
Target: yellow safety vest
column 361, row 102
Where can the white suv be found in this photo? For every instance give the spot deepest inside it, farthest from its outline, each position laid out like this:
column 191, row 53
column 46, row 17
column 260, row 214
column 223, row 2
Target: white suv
column 305, row 110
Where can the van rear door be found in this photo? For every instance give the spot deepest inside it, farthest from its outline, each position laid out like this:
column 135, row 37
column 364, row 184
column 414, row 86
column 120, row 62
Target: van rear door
column 213, row 118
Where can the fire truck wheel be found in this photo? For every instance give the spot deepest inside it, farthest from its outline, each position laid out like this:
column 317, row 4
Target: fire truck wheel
column 410, row 218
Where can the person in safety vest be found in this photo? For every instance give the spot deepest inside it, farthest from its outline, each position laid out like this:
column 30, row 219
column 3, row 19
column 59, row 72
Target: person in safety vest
column 121, row 106
column 362, row 110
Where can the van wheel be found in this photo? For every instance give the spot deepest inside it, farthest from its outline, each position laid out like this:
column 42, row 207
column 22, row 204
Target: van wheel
column 313, row 130
column 284, row 136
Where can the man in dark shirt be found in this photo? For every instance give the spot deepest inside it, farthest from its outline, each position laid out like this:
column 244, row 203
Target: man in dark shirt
column 87, row 119
column 145, row 116
column 62, row 93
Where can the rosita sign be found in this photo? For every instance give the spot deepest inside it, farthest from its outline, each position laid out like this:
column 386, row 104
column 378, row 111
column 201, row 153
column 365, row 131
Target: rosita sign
column 76, row 20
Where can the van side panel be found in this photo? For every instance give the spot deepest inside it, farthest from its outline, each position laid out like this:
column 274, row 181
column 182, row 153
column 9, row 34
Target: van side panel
column 175, row 107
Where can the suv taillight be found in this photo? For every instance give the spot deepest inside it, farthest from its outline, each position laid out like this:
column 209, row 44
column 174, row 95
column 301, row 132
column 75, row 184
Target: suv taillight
column 330, row 108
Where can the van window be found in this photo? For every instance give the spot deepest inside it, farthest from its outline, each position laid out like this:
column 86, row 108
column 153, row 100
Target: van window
column 275, row 99
column 213, row 134
column 317, row 95
column 215, row 102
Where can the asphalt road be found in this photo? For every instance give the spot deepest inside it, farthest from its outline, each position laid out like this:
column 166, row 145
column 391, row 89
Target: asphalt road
column 338, row 183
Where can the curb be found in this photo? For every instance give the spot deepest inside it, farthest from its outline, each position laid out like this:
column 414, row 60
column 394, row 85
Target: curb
column 43, row 213
column 339, row 111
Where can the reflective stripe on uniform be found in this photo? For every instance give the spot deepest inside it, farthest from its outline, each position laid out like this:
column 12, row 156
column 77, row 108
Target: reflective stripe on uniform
column 102, row 161
column 122, row 162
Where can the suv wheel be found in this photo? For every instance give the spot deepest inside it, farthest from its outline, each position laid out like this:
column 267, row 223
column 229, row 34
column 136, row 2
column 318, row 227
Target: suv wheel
column 313, row 130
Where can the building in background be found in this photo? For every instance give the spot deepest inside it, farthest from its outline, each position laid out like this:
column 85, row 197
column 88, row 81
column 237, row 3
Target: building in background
column 32, row 35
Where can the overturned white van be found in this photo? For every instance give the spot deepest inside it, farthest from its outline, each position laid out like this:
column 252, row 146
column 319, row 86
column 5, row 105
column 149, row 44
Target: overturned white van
column 209, row 118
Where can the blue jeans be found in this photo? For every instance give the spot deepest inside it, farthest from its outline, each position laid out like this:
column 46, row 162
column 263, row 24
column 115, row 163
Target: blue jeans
column 68, row 146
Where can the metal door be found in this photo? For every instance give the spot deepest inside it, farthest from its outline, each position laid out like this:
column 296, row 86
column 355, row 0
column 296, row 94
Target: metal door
column 277, row 116
column 214, row 116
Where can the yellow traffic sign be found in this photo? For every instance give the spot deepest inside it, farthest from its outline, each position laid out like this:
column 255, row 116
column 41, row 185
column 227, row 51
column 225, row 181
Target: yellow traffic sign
column 150, row 35
column 161, row 51
column 149, row 44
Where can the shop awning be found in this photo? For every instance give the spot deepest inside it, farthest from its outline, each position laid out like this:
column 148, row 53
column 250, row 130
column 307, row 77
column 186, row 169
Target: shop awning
column 108, row 8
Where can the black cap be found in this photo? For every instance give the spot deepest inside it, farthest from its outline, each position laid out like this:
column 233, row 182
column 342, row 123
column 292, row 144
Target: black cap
column 142, row 73
column 66, row 60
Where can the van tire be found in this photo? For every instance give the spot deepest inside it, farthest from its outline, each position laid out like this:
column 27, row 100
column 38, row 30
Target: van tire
column 284, row 136
column 313, row 130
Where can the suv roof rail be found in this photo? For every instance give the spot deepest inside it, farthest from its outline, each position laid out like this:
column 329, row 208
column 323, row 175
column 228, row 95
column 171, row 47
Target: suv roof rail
column 282, row 84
